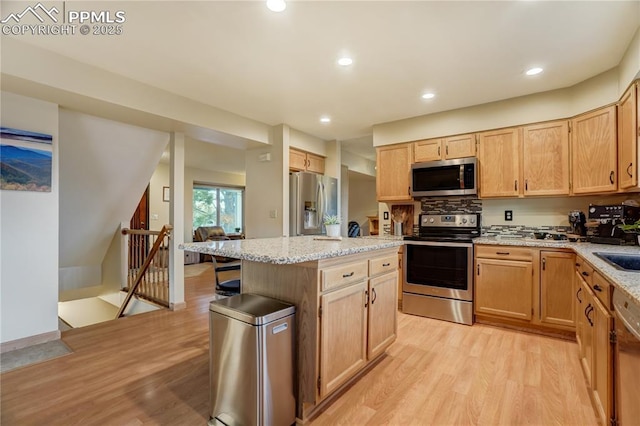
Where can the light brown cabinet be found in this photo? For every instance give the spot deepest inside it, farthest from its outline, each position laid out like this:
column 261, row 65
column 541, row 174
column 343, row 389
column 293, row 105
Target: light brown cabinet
column 343, row 333
column 305, row 161
column 499, row 159
column 594, row 330
column 459, row 146
column 628, row 138
column 346, row 311
column 556, row 288
column 393, row 173
column 526, row 286
column 593, row 152
column 504, row 288
column 545, row 151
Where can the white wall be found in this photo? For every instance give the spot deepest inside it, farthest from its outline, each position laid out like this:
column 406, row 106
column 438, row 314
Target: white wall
column 305, row 142
column 105, row 167
column 29, row 235
column 595, row 92
column 629, row 68
column 543, row 211
column 362, row 199
column 359, row 164
column 267, row 187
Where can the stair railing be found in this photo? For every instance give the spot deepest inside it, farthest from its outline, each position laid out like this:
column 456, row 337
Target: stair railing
column 148, row 268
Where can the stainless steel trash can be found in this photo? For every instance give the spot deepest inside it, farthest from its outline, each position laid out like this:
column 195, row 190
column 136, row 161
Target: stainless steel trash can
column 251, row 366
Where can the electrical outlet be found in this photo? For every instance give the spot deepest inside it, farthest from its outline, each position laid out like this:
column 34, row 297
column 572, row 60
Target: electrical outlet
column 508, row 215
column 385, row 216
column 154, row 216
column 273, row 214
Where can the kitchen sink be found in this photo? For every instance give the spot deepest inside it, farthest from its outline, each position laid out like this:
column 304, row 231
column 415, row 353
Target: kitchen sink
column 624, row 261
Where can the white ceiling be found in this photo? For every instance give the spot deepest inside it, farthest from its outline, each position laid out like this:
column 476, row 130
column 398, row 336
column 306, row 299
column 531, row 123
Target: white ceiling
column 281, row 68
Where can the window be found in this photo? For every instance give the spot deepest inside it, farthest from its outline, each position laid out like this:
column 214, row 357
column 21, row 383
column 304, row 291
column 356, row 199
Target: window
column 218, row 205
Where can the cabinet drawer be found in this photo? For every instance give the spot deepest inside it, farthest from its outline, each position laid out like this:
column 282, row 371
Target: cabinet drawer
column 344, row 274
column 383, row 264
column 504, row 252
column 584, row 270
column 602, row 289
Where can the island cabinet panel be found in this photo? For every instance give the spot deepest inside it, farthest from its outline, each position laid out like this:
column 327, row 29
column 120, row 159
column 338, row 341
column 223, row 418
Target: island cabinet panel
column 580, row 305
column 393, row 174
column 602, row 371
column 628, row 135
column 546, row 158
column 556, row 288
column 594, row 159
column 343, row 331
column 499, row 159
column 504, row 288
column 345, row 316
column 382, row 325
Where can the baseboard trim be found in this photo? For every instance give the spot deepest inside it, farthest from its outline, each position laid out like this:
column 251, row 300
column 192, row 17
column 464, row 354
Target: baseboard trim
column 29, row 341
column 178, row 306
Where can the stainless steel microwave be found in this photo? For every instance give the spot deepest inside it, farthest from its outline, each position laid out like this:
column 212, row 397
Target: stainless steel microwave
column 445, row 178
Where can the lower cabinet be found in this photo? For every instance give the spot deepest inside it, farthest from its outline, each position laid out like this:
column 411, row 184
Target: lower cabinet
column 525, row 286
column 357, row 324
column 504, row 288
column 343, row 335
column 594, row 333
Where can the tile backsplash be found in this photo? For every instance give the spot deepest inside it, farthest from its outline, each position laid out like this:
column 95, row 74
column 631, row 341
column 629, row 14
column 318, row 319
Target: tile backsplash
column 460, row 205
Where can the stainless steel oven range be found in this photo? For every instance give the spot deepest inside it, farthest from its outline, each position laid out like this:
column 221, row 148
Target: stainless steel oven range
column 438, row 268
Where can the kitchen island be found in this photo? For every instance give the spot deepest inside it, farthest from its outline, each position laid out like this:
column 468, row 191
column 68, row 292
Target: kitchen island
column 345, row 294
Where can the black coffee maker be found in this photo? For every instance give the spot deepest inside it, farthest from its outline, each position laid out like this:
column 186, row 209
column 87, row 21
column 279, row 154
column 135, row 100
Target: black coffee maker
column 608, row 218
column 577, row 222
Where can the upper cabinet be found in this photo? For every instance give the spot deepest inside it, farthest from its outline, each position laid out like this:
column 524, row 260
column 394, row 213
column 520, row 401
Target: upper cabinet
column 593, row 151
column 305, row 161
column 628, row 138
column 545, row 151
column 460, row 146
column 499, row 159
column 393, row 172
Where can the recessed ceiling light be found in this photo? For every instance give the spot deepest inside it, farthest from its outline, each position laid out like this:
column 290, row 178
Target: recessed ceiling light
column 345, row 62
column 276, row 5
column 428, row 96
column 534, row 71
column 325, row 120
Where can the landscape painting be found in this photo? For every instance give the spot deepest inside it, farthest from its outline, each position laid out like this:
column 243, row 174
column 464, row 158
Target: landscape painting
column 25, row 160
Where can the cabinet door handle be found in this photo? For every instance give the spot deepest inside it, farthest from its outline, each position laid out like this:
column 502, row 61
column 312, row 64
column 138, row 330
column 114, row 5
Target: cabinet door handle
column 366, row 298
column 578, row 294
column 348, row 275
column 515, row 185
column 544, row 264
column 438, row 151
column 503, row 253
column 628, row 170
column 597, row 288
column 526, row 184
column 386, row 264
column 478, row 269
column 588, row 317
column 611, row 175
column 447, row 152
column 375, row 296
column 585, row 273
column 577, row 265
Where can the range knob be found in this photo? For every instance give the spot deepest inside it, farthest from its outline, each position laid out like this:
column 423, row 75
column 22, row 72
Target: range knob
column 432, row 220
column 464, row 220
column 592, row 209
column 472, row 220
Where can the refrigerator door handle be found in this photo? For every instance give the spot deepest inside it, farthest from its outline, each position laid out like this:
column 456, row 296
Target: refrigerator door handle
column 321, row 205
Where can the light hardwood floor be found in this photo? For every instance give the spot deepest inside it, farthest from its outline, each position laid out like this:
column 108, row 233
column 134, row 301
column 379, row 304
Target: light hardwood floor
column 153, row 369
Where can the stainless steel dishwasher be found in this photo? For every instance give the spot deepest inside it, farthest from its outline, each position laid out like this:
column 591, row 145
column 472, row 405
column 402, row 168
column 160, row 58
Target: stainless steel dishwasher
column 627, row 360
column 251, row 366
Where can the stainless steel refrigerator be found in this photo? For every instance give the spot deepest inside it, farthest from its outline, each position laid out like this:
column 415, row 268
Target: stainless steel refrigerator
column 312, row 196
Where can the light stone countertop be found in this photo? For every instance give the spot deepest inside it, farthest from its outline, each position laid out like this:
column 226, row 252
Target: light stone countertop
column 625, row 281
column 288, row 250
